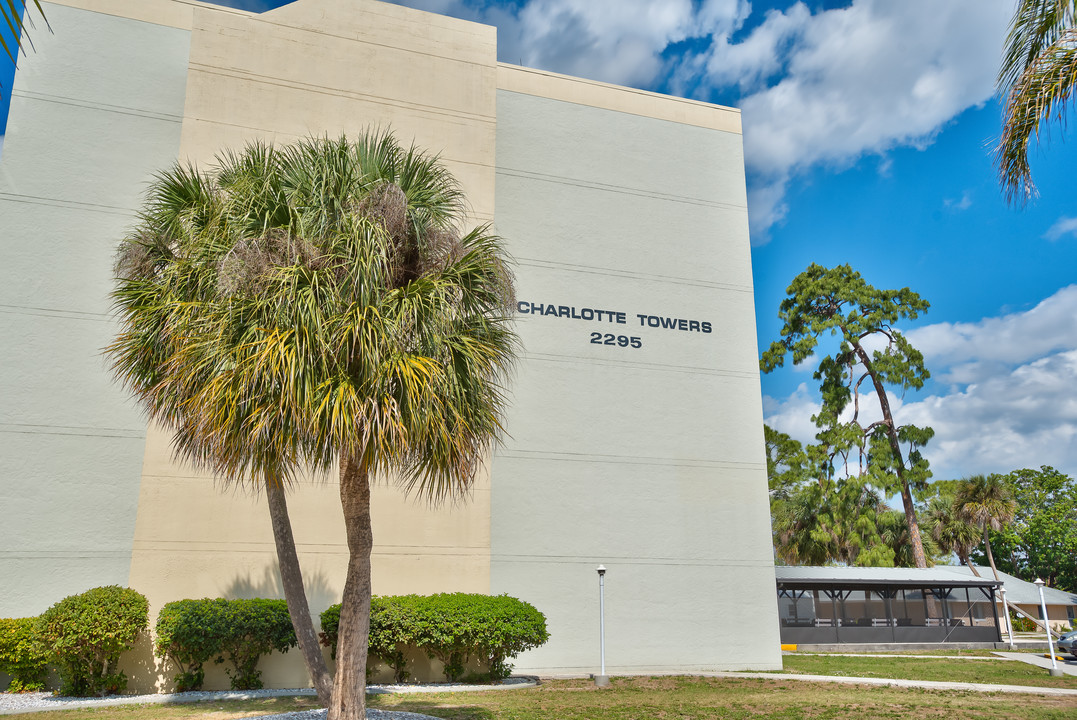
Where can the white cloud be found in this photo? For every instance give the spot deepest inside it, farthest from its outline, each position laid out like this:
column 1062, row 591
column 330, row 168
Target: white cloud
column 972, row 352
column 1025, row 417
column 835, row 86
column 963, row 204
column 617, row 41
column 817, row 89
column 1062, row 226
column 1011, row 403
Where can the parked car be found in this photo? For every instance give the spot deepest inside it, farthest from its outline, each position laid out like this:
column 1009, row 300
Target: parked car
column 1067, row 642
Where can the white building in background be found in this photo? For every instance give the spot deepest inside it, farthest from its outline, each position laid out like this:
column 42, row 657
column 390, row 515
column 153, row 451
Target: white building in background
column 636, row 430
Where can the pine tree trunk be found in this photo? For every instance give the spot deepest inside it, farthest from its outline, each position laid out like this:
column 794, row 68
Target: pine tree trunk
column 349, row 688
column 917, row 544
column 915, row 541
column 294, row 593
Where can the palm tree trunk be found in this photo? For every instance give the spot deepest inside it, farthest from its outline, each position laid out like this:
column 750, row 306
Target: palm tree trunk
column 991, row 561
column 349, row 688
column 972, row 567
column 990, row 555
column 292, row 578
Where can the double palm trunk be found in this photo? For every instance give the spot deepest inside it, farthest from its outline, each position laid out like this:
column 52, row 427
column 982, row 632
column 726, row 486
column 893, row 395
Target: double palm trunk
column 349, row 687
column 296, row 596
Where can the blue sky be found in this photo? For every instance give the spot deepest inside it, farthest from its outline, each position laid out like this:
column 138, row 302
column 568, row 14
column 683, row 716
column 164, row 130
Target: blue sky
column 867, row 130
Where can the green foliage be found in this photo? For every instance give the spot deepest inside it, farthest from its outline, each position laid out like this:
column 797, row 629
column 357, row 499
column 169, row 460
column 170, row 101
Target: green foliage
column 84, row 636
column 189, row 633
column 950, row 531
column 840, row 521
column 391, row 630
column 1037, row 79
column 1041, row 539
column 453, row 627
column 255, row 627
column 1023, row 624
column 192, row 632
column 22, row 655
column 787, row 464
column 838, row 302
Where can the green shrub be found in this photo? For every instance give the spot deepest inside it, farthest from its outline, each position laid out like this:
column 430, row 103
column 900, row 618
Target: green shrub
column 392, row 630
column 456, row 627
column 330, row 620
column 22, row 655
column 453, row 627
column 192, row 632
column 84, row 636
column 255, row 628
column 189, row 633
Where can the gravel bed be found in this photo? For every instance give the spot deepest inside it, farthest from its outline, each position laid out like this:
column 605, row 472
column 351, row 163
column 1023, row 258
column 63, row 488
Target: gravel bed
column 11, row 703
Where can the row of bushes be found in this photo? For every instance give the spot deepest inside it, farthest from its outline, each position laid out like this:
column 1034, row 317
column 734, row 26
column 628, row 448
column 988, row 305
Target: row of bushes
column 190, row 633
column 455, row 628
column 83, row 636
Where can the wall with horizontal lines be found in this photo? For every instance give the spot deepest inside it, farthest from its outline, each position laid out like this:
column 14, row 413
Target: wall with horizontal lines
column 636, row 431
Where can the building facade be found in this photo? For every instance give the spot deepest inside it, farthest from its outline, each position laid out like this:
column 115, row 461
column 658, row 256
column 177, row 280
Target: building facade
column 635, row 434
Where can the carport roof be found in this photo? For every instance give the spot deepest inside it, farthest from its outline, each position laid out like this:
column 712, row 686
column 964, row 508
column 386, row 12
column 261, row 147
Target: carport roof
column 939, row 576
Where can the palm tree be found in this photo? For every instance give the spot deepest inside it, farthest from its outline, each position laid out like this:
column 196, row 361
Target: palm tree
column 832, row 521
column 315, row 306
column 1037, row 79
column 952, row 533
column 986, row 503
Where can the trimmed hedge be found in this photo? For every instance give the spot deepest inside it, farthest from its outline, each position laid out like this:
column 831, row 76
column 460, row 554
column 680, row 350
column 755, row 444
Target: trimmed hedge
column 452, row 627
column 85, row 634
column 192, row 632
column 21, row 655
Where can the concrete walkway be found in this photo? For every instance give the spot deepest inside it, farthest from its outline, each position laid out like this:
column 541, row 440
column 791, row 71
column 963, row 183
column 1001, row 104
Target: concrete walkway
column 922, row 657
column 923, row 684
column 1069, row 667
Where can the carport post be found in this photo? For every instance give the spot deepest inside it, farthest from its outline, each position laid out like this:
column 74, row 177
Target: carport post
column 1006, row 614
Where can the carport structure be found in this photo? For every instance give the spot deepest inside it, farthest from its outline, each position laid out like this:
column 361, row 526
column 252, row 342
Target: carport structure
column 825, row 605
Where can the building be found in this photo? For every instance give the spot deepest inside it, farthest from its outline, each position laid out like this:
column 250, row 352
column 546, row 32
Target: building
column 1061, row 605
column 646, row 456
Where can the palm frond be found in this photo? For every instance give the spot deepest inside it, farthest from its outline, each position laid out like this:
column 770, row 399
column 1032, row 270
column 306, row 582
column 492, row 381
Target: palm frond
column 1037, row 76
column 301, row 303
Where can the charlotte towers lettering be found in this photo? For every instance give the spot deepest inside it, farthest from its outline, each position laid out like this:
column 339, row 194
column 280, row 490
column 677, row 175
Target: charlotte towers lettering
column 570, row 312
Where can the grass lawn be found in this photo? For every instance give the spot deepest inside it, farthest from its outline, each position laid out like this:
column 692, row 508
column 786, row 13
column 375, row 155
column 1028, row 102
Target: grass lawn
column 643, row 698
column 1000, row 672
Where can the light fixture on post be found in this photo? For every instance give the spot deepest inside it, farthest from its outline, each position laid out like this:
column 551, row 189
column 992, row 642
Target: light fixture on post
column 602, row 679
column 1056, row 671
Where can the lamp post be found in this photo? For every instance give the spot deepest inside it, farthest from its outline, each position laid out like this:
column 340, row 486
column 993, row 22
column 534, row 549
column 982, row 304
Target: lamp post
column 602, row 679
column 1055, row 670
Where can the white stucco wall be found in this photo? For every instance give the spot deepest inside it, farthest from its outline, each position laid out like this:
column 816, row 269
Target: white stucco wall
column 94, row 109
column 648, row 460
